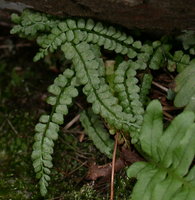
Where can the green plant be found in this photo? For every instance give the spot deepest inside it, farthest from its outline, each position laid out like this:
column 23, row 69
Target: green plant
column 167, row 174
column 118, row 100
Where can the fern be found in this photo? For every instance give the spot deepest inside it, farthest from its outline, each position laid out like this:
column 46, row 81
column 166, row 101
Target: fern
column 167, row 174
column 63, row 90
column 96, row 131
column 119, row 101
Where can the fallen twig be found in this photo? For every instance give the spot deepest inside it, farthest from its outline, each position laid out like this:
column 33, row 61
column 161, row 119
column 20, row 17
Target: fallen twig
column 113, row 168
column 160, row 86
column 74, row 120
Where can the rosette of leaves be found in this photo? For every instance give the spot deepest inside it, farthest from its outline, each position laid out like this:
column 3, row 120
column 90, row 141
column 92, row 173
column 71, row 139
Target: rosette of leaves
column 168, row 172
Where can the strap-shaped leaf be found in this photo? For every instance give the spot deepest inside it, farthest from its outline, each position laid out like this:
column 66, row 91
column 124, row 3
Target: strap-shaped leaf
column 94, row 128
column 185, row 87
column 167, row 174
column 152, row 129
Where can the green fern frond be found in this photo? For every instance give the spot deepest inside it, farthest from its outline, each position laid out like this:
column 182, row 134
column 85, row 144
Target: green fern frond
column 128, row 91
column 167, row 174
column 47, row 129
column 94, row 128
column 71, row 30
column 57, row 32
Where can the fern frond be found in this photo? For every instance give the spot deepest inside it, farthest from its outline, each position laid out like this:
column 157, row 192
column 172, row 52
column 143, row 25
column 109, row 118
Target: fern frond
column 128, row 91
column 145, row 88
column 63, row 90
column 167, row 174
column 71, row 30
column 94, row 128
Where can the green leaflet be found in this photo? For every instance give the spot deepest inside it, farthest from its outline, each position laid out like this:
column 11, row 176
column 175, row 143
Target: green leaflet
column 169, row 154
column 97, row 133
column 48, row 127
column 185, row 88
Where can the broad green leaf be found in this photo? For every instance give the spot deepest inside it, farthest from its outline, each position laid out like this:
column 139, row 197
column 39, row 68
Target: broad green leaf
column 166, row 174
column 185, row 88
column 152, row 129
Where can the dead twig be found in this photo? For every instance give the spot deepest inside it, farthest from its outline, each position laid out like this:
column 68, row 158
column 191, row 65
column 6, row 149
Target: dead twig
column 12, row 127
column 74, row 120
column 160, row 86
column 113, row 167
column 170, row 117
column 74, row 170
column 170, row 108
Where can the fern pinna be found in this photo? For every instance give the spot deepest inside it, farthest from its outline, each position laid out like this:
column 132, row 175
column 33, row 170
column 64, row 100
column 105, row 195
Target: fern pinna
column 120, row 105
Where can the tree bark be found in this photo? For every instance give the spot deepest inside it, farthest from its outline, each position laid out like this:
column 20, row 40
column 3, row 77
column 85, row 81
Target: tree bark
column 165, row 16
